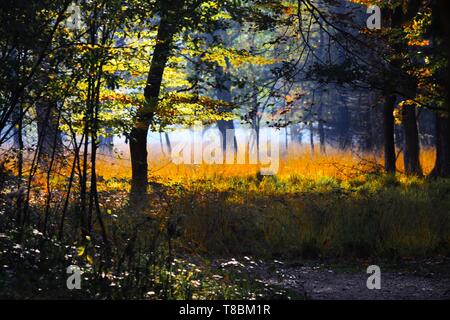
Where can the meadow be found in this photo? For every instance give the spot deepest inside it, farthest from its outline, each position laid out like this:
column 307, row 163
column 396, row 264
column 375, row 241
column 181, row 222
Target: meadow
column 95, row 96
column 337, row 206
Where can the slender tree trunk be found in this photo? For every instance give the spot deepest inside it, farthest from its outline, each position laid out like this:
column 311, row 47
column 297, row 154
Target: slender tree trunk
column 286, row 138
column 388, row 128
column 258, row 141
column 223, row 93
column 411, row 141
column 20, row 146
column 321, row 129
column 139, row 133
column 223, row 126
column 311, row 138
column 168, row 143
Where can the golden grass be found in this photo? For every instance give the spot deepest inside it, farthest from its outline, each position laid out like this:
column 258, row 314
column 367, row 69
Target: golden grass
column 114, row 172
column 323, row 204
column 299, row 161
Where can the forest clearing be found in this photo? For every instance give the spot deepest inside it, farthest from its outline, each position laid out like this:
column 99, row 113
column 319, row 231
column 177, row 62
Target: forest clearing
column 224, row 150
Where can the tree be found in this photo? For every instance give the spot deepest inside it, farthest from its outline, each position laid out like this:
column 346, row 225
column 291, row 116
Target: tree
column 440, row 34
column 174, row 16
column 171, row 14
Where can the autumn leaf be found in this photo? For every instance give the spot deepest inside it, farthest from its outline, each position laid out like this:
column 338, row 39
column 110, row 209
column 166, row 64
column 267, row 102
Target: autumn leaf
column 80, row 251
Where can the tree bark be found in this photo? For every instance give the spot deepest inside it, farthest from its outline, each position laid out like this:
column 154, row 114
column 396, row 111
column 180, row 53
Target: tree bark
column 411, row 142
column 144, row 118
column 321, row 129
column 442, row 164
column 311, row 138
column 388, row 128
column 139, row 166
column 441, row 29
column 223, row 93
column 168, row 143
column 49, row 135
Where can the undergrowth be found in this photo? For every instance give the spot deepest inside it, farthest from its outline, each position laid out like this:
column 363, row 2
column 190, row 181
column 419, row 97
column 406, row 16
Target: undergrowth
column 381, row 216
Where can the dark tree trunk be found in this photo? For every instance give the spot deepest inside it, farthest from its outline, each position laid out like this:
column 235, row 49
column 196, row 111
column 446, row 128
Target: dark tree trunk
column 168, row 143
column 395, row 19
column 144, row 118
column 49, row 135
column 223, row 93
column 311, row 138
column 139, row 165
column 321, row 129
column 441, row 29
column 258, row 140
column 442, row 164
column 223, row 126
column 388, row 128
column 411, row 141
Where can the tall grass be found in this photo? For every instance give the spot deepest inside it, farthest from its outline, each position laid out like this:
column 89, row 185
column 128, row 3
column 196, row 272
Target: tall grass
column 298, row 160
column 333, row 204
column 326, row 217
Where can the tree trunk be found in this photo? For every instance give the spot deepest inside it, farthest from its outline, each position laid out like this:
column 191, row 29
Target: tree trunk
column 389, row 141
column 311, row 138
column 411, row 142
column 223, row 93
column 442, row 164
column 106, row 143
column 441, row 26
column 296, row 134
column 321, row 129
column 168, row 143
column 48, row 128
column 138, row 135
column 223, row 126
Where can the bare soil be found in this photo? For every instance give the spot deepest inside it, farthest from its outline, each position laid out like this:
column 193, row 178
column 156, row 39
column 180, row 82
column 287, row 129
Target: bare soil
column 319, row 284
column 427, row 279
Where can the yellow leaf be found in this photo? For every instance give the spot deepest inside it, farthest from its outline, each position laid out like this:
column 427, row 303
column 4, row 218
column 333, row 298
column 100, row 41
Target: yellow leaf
column 80, row 251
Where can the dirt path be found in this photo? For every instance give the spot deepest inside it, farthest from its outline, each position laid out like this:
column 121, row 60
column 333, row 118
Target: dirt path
column 405, row 280
column 319, row 283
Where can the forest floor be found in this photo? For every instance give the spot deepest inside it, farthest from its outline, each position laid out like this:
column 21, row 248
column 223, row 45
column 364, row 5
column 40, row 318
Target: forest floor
column 326, row 229
column 427, row 279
